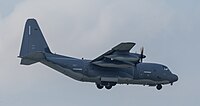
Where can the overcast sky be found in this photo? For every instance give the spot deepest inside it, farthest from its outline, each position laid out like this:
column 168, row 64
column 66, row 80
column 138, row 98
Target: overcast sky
column 168, row 29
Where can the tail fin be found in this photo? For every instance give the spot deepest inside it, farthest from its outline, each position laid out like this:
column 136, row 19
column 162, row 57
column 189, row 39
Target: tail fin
column 33, row 43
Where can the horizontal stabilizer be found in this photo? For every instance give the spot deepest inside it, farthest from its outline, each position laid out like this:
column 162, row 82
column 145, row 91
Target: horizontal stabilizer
column 27, row 62
column 32, row 58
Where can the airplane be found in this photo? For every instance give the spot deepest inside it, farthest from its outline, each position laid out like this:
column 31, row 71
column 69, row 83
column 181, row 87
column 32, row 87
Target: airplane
column 116, row 66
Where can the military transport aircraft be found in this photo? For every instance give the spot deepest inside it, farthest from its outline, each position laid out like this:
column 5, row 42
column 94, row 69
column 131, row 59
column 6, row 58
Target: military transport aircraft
column 116, row 66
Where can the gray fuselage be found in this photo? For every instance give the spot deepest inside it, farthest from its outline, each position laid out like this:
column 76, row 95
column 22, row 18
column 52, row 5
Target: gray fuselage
column 82, row 70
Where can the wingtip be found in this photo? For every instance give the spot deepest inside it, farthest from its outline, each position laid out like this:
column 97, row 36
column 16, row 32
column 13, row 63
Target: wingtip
column 128, row 43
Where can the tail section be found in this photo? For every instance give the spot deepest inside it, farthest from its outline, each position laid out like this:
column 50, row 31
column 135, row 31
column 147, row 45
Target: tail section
column 33, row 43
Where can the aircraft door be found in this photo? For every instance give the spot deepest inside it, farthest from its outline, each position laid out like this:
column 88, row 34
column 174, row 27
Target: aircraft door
column 147, row 73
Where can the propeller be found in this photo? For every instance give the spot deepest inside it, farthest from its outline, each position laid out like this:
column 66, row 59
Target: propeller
column 142, row 54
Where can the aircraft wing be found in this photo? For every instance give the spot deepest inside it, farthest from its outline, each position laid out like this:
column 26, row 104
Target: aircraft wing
column 124, row 47
column 112, row 65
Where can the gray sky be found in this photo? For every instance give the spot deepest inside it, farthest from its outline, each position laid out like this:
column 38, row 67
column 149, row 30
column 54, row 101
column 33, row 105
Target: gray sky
column 168, row 29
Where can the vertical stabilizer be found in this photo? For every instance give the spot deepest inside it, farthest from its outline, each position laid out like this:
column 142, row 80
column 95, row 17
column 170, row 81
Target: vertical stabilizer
column 33, row 42
column 33, row 39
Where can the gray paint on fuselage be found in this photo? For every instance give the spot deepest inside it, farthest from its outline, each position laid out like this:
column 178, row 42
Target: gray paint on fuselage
column 92, row 73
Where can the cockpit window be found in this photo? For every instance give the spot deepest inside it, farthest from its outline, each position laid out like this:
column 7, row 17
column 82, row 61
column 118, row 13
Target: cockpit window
column 165, row 68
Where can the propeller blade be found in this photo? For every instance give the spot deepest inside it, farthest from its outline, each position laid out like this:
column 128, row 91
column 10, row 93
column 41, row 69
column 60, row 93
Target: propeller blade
column 142, row 54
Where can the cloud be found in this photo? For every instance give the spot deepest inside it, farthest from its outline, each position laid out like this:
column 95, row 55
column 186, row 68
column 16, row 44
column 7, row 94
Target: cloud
column 87, row 29
column 78, row 21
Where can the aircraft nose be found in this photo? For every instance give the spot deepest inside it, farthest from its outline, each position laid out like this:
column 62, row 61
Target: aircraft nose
column 174, row 78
